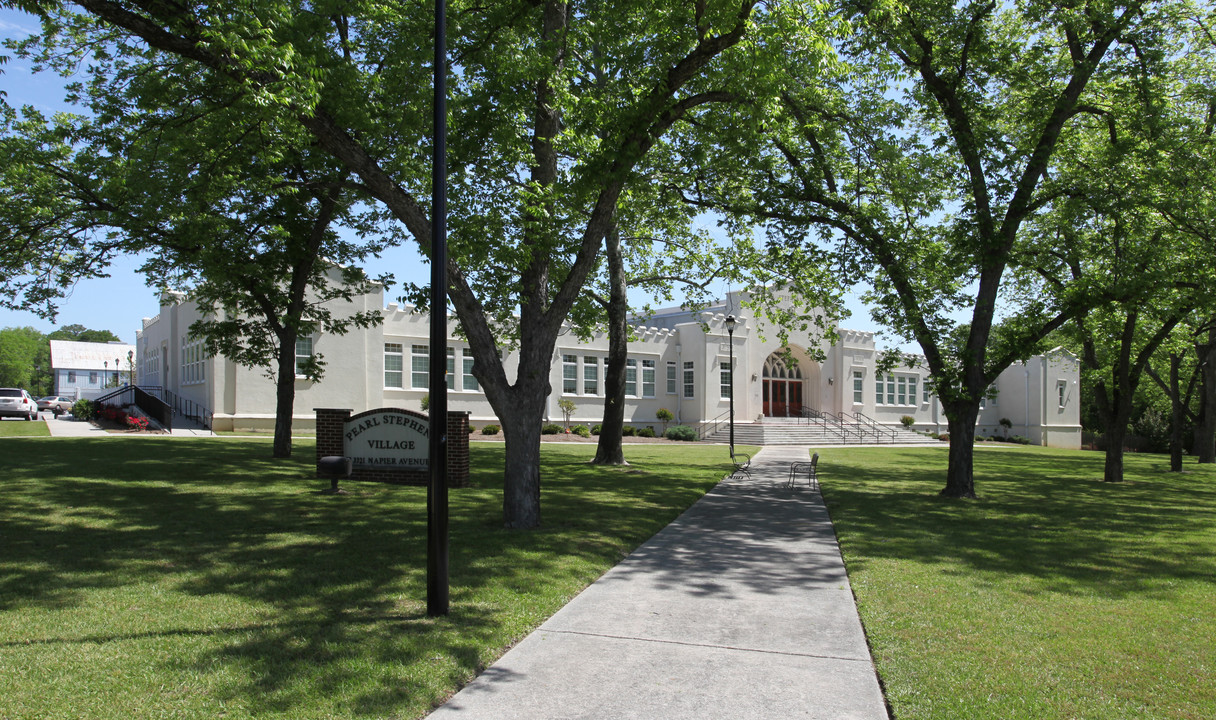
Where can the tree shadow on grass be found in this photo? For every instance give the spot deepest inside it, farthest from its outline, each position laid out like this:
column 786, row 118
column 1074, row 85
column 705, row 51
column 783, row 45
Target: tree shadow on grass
column 337, row 583
column 1045, row 516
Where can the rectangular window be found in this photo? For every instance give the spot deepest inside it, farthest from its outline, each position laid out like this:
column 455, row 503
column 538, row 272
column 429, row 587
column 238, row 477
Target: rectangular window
column 858, row 387
column 902, row 395
column 925, row 391
column 648, row 378
column 394, row 365
column 992, row 393
column 1061, row 392
column 72, row 373
column 690, row 385
column 591, row 375
column 303, row 354
column 724, row 379
column 890, row 389
column 469, row 382
column 193, row 366
column 420, row 366
column 92, row 378
column 878, row 397
column 631, row 377
column 911, row 391
column 450, row 376
column 671, row 378
column 569, row 374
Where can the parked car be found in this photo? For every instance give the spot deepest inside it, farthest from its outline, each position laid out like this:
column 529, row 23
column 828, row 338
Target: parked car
column 15, row 402
column 56, row 404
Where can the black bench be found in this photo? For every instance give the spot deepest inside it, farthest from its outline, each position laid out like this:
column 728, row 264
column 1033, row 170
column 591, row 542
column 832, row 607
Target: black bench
column 811, row 469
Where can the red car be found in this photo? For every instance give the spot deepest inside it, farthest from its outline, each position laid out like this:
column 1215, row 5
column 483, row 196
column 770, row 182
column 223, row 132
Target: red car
column 15, row 402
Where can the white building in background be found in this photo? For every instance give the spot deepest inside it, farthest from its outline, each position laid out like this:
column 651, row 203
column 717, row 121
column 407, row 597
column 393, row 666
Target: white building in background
column 679, row 361
column 87, row 369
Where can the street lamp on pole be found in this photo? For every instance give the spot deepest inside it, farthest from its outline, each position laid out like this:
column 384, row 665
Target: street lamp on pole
column 730, row 331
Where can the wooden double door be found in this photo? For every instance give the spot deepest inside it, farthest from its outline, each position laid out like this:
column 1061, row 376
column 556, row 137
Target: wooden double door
column 782, row 397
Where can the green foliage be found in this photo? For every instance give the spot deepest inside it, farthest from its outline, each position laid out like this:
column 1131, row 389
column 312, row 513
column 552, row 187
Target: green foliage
column 25, row 360
column 665, row 416
column 84, row 409
column 629, row 431
column 907, row 421
column 681, row 432
column 490, row 430
column 567, row 406
column 551, row 429
column 596, row 428
column 581, row 431
column 646, row 432
column 425, row 403
column 79, row 333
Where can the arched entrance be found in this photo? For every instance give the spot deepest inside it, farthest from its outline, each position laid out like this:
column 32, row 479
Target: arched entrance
column 783, row 388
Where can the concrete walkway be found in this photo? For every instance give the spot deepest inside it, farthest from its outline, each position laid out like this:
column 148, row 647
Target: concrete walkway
column 740, row 608
column 68, row 426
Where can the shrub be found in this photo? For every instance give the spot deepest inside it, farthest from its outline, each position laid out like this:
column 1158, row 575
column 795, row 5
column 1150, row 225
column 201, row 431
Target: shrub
column 629, row 431
column 681, row 432
column 664, row 415
column 426, row 402
column 907, row 420
column 596, row 428
column 490, row 430
column 581, row 431
column 944, row 437
column 472, row 429
column 646, row 432
column 550, row 429
column 137, row 423
column 83, row 409
column 1019, row 439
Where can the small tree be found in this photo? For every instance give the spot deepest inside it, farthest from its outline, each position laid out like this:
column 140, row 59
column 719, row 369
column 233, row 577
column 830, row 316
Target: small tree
column 567, row 406
column 665, row 415
column 1006, row 426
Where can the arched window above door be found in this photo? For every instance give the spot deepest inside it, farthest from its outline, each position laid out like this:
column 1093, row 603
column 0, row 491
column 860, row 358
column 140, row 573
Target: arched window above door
column 776, row 368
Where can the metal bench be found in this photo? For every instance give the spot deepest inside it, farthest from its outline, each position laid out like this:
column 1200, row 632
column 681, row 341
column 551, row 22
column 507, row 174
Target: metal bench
column 742, row 464
column 810, row 469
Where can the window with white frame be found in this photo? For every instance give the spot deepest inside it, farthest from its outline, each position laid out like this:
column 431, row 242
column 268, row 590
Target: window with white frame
column 420, row 366
column 569, row 374
column 591, row 375
column 724, row 378
column 303, row 354
column 671, row 378
column 925, row 394
column 449, row 376
column 92, row 378
column 71, row 376
column 468, row 381
column 1061, row 392
column 690, row 384
column 892, row 389
column 193, row 362
column 648, row 369
column 859, row 378
column 631, row 377
column 394, row 365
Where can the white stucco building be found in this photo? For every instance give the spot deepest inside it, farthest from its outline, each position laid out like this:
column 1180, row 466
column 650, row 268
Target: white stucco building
column 678, row 360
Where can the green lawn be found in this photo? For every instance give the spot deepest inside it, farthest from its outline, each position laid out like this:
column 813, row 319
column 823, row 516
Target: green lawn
column 165, row 577
column 1052, row 596
column 23, row 428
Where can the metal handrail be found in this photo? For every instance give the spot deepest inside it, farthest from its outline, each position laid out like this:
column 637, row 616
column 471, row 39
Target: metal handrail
column 875, row 427
column 716, row 423
column 833, row 420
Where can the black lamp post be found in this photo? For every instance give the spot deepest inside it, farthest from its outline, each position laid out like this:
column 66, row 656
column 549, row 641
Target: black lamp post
column 730, row 331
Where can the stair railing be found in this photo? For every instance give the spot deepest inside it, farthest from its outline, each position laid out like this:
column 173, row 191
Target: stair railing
column 880, row 431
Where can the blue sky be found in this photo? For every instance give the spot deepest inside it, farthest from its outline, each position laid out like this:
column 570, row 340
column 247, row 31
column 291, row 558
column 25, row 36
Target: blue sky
column 118, row 302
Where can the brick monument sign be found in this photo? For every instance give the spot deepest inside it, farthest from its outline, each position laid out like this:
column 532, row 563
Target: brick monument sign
column 391, row 445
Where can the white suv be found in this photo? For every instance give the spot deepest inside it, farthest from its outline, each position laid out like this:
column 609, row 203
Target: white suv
column 15, row 402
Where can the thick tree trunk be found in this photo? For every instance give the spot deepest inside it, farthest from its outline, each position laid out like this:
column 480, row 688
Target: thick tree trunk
column 521, row 490
column 1176, row 418
column 1205, row 429
column 285, row 396
column 1116, row 435
column 609, row 450
column 960, row 475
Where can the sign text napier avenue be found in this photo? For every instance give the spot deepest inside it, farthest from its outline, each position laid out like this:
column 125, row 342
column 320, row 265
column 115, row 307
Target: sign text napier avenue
column 388, row 439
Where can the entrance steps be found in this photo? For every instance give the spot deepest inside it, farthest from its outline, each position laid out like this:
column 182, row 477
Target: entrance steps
column 814, row 431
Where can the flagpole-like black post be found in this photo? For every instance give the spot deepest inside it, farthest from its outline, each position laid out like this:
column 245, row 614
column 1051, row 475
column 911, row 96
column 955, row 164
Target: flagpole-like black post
column 437, row 490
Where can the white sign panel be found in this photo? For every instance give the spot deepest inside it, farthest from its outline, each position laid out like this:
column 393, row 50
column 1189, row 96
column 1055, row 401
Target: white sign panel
column 389, row 440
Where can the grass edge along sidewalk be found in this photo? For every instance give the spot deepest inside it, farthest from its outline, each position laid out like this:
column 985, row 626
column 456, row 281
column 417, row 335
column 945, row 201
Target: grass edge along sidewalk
column 165, row 578
column 1054, row 595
